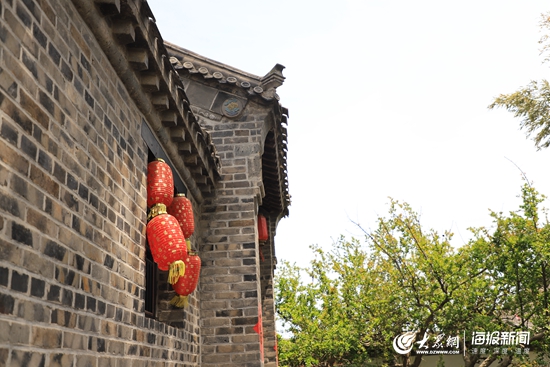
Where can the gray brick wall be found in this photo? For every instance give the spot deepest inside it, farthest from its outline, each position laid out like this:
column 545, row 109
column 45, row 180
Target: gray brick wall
column 72, row 204
column 230, row 287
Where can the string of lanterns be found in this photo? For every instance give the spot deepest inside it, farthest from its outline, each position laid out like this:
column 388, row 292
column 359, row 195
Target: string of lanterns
column 170, row 223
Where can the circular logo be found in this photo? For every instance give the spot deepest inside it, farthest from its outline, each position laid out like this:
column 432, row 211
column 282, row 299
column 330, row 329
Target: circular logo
column 403, row 343
column 231, row 107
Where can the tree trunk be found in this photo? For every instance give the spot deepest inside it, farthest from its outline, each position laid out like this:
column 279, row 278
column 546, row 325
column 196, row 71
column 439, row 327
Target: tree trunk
column 487, row 362
column 470, row 360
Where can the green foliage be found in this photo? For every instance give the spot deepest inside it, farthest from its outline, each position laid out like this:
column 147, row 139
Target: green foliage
column 532, row 103
column 346, row 308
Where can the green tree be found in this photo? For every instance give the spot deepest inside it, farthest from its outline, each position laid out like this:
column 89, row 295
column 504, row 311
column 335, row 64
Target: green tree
column 346, row 308
column 517, row 255
column 532, row 103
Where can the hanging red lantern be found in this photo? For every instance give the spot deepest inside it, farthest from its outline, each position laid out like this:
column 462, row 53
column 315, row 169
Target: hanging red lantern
column 262, row 228
column 166, row 242
column 182, row 209
column 160, row 183
column 188, row 282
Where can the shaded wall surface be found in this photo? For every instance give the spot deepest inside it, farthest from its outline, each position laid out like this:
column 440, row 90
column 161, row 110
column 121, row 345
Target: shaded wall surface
column 75, row 138
column 72, row 188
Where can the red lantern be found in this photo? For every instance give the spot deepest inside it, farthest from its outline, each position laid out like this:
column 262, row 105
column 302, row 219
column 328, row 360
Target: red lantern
column 160, row 183
column 258, row 328
column 262, row 228
column 188, row 282
column 166, row 242
column 182, row 209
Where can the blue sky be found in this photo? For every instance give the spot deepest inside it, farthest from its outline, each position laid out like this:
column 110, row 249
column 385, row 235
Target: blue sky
column 386, row 99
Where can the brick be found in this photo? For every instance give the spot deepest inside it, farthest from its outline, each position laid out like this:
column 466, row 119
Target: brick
column 55, row 210
column 38, row 264
column 12, row 158
column 46, row 338
column 30, row 63
column 40, row 221
column 215, row 358
column 7, row 303
column 79, row 301
column 38, row 287
column 85, row 63
column 21, row 234
column 83, row 192
column 19, row 282
column 34, row 110
column 54, row 293
column 61, row 360
column 66, row 71
column 12, row 252
column 28, row 147
column 46, row 102
column 55, row 250
column 15, row 113
column 244, row 339
column 4, row 276
column 59, row 173
column 23, row 15
column 89, row 99
column 30, row 359
column 39, row 178
column 231, row 348
column 45, row 161
column 72, row 183
column 39, row 36
column 9, row 133
column 7, row 83
column 54, row 54
column 10, row 205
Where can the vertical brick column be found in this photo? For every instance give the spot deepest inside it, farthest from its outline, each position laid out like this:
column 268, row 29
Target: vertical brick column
column 267, row 267
column 229, row 285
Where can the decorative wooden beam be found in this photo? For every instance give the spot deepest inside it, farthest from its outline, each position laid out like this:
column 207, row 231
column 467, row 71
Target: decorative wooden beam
column 150, row 82
column 109, row 7
column 199, row 177
column 185, row 147
column 169, row 118
column 139, row 59
column 191, row 160
column 160, row 101
column 125, row 31
column 177, row 134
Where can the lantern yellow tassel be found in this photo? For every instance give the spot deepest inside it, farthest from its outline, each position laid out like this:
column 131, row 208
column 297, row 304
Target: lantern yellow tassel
column 180, row 301
column 177, row 269
column 188, row 242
